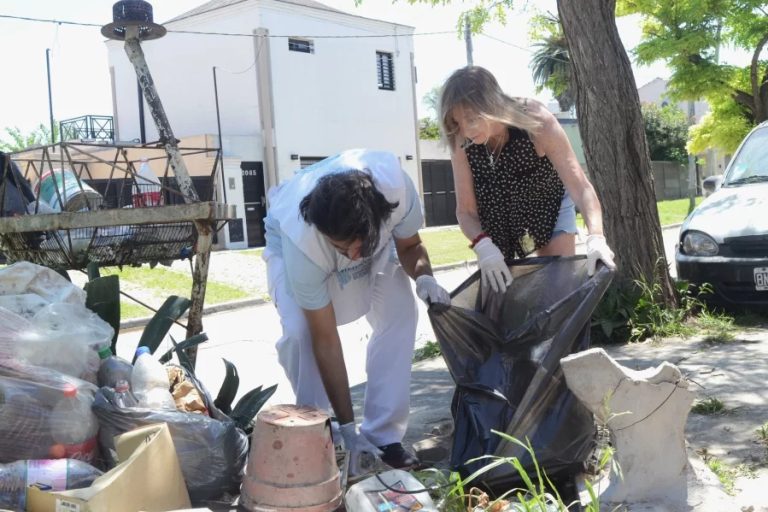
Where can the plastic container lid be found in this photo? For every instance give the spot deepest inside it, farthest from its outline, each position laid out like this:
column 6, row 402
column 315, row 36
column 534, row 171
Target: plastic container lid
column 142, row 350
column 105, row 352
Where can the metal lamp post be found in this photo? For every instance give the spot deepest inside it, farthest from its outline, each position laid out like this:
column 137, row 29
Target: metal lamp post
column 132, row 22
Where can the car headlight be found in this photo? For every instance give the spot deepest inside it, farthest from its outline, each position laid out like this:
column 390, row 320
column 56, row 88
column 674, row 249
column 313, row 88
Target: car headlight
column 696, row 243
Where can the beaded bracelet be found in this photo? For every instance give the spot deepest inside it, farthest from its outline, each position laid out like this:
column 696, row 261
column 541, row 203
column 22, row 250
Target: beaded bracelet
column 479, row 237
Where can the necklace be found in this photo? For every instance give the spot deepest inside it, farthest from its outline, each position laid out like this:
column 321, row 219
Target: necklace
column 493, row 156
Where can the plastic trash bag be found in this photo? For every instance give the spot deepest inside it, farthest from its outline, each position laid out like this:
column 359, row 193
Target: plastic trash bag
column 15, row 192
column 503, row 351
column 212, row 450
column 28, row 395
column 25, row 277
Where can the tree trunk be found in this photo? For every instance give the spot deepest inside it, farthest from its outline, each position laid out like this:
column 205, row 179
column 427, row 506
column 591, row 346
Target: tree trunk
column 612, row 131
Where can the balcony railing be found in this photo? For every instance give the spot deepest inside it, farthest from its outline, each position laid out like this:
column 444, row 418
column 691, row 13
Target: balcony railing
column 95, row 128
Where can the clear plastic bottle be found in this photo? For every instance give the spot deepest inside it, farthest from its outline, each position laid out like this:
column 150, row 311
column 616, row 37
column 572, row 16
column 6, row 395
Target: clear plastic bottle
column 58, row 474
column 147, row 189
column 149, row 382
column 112, row 369
column 73, row 427
column 123, row 396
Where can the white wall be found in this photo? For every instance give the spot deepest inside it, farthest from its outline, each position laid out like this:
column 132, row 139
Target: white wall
column 655, row 91
column 323, row 102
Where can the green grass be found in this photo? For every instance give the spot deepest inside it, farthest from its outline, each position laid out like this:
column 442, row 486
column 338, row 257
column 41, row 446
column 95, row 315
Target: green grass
column 254, row 252
column 671, row 211
column 709, row 406
column 130, row 310
column 447, row 245
column 164, row 283
column 674, row 211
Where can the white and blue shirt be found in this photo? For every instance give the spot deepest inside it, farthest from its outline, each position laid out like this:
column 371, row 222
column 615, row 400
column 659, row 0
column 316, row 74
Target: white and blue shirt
column 310, row 260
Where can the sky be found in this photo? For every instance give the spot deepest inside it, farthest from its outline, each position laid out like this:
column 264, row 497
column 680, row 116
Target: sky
column 80, row 77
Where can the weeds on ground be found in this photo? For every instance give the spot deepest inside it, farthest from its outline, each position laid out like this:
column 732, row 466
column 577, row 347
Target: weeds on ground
column 718, row 327
column 651, row 318
column 709, row 406
column 637, row 312
column 428, row 351
column 762, row 434
column 455, row 494
column 725, row 473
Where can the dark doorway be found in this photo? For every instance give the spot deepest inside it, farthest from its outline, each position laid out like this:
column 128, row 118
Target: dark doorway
column 439, row 193
column 254, row 197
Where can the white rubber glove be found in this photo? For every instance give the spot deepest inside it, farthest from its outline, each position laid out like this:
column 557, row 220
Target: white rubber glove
column 430, row 292
column 358, row 446
column 494, row 271
column 597, row 249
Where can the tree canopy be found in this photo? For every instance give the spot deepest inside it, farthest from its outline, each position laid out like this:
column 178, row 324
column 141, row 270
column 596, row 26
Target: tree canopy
column 688, row 35
column 37, row 137
column 551, row 64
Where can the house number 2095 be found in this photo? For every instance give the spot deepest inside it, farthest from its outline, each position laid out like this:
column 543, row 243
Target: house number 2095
column 250, row 172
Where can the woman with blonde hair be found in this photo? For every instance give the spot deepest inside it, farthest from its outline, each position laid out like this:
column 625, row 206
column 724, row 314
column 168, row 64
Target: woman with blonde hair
column 516, row 177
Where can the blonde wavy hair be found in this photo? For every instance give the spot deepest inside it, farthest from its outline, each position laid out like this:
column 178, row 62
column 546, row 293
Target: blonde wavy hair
column 475, row 88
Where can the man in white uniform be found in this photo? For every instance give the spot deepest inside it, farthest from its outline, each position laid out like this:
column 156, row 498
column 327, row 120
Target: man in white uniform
column 342, row 239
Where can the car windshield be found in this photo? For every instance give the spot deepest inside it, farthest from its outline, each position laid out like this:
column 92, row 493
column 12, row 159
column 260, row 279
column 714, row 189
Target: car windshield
column 751, row 163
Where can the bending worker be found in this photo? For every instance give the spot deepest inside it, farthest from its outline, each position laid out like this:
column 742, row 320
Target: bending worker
column 342, row 239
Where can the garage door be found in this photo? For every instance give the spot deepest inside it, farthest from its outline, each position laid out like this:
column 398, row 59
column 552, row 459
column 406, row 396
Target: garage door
column 439, row 193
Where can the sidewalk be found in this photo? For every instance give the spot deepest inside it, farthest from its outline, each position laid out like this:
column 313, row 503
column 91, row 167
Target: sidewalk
column 734, row 372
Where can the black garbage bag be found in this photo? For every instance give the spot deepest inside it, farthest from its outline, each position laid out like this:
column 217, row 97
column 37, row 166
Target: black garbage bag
column 503, row 351
column 15, row 192
column 212, row 450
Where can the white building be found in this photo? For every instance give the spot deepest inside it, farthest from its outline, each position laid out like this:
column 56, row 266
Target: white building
column 298, row 82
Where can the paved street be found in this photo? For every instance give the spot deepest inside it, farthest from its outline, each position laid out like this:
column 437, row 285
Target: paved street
column 247, row 336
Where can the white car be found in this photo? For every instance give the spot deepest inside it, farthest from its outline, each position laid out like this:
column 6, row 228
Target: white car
column 724, row 241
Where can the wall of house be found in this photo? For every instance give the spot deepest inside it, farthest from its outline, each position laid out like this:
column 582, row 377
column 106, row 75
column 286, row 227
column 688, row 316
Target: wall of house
column 324, row 102
column 329, row 100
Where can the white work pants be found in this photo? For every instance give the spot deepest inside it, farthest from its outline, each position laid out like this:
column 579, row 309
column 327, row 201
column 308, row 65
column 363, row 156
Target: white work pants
column 392, row 314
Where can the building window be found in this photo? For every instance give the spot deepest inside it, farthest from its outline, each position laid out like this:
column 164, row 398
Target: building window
column 301, row 45
column 385, row 70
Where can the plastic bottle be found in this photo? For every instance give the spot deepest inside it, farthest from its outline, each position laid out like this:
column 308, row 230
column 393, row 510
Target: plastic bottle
column 123, row 396
column 73, row 427
column 147, row 190
column 149, row 382
column 112, row 369
column 58, row 474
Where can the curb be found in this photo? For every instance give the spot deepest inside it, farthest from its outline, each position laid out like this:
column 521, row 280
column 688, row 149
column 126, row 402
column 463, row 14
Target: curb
column 135, row 323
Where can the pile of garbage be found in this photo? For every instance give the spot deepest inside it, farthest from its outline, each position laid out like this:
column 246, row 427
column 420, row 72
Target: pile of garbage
column 64, row 396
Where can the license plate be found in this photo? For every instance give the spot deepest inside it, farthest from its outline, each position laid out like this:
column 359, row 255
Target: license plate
column 761, row 278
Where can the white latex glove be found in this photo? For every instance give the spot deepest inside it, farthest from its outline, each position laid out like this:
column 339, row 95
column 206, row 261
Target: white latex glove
column 494, row 271
column 430, row 292
column 597, row 249
column 358, row 445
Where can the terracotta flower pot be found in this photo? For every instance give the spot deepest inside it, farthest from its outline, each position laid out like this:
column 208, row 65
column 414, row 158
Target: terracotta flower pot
column 292, row 464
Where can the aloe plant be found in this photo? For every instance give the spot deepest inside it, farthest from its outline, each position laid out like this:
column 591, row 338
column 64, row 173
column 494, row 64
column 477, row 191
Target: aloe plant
column 103, row 297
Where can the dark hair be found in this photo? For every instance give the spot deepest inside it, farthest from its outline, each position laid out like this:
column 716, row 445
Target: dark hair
column 347, row 206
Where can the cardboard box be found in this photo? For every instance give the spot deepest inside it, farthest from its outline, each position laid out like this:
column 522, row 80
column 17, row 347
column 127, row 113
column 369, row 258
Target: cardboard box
column 148, row 479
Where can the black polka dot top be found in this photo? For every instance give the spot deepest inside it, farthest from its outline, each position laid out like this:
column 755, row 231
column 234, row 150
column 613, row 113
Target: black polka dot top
column 518, row 194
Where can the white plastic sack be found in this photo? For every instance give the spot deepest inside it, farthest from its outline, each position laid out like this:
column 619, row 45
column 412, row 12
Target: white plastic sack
column 22, row 340
column 25, row 305
column 25, row 277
